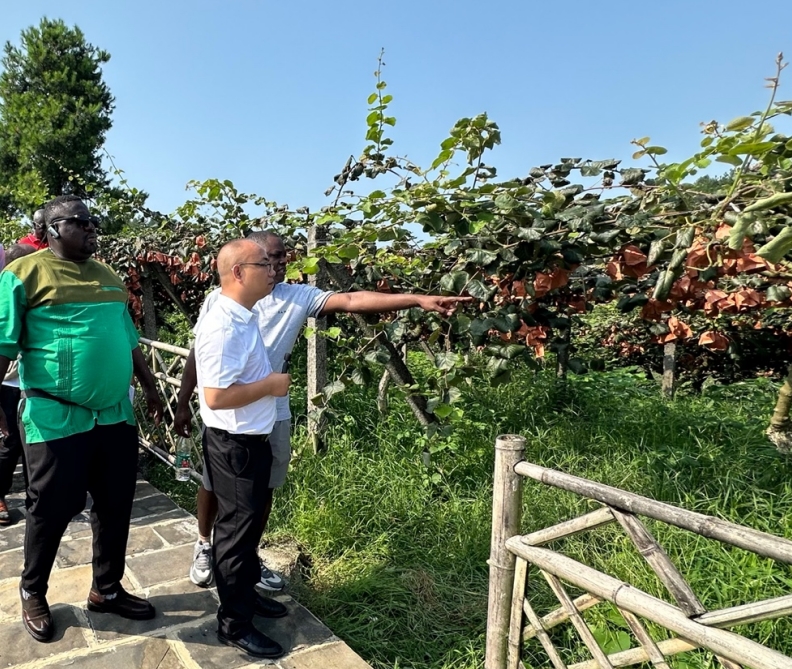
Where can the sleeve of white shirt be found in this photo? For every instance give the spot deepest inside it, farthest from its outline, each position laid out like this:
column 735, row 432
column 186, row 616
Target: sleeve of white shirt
column 220, row 356
column 315, row 299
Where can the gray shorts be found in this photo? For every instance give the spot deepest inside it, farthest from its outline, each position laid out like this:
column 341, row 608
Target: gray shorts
column 280, row 441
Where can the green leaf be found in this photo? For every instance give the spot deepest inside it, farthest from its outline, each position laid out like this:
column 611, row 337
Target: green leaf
column 777, row 248
column 478, row 290
column 481, row 257
column 740, row 230
column 348, row 252
column 776, row 200
column 739, row 123
column 730, row 160
column 446, row 361
column 441, row 158
column 333, row 332
column 655, row 250
column 656, row 150
column 310, row 265
column 454, row 282
column 505, row 202
column 461, row 324
column 530, row 234
column 443, row 410
column 372, row 98
column 751, row 148
column 778, row 293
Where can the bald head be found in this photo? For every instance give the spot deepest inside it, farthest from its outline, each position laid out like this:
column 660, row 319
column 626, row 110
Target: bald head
column 246, row 276
column 237, row 252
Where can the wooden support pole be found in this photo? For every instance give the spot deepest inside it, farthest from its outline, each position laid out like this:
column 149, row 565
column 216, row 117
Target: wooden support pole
column 317, row 345
column 661, row 564
column 149, row 307
column 558, row 616
column 518, row 597
column 578, row 623
column 506, row 512
column 646, row 641
column 568, row 528
column 668, row 386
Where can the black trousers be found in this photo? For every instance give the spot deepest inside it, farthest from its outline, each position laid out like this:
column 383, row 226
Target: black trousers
column 239, row 470
column 11, row 447
column 103, row 462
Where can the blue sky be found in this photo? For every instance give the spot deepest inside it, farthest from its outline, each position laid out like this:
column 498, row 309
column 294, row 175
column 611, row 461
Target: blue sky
column 272, row 95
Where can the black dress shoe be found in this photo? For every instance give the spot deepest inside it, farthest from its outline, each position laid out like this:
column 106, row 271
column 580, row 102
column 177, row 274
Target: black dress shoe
column 269, row 608
column 36, row 616
column 122, row 604
column 253, row 643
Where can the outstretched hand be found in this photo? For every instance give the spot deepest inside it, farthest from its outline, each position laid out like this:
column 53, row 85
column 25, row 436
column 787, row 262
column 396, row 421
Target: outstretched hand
column 445, row 306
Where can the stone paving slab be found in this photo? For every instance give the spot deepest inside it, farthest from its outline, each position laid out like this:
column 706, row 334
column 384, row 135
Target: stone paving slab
column 176, row 603
column 18, row 647
column 183, row 633
column 336, row 654
column 160, row 566
column 142, row 654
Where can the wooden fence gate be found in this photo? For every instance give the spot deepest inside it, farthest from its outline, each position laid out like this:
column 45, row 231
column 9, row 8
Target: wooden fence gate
column 512, row 619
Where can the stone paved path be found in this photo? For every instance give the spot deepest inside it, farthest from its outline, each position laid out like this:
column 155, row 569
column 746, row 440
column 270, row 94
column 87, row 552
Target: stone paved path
column 183, row 633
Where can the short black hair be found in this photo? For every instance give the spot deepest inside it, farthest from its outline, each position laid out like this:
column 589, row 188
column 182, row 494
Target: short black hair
column 17, row 251
column 53, row 207
column 39, row 227
column 261, row 236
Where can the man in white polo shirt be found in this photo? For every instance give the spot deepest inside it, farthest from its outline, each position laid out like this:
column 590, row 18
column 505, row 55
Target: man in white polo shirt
column 237, row 390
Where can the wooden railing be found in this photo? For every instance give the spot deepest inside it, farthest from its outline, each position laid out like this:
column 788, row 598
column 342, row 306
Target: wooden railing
column 512, row 619
column 167, row 364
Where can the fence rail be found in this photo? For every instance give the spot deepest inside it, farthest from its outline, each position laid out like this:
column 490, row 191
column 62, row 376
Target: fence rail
column 512, row 619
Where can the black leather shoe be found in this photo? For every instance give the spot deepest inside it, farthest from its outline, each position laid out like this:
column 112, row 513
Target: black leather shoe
column 253, row 643
column 123, row 604
column 36, row 616
column 269, row 608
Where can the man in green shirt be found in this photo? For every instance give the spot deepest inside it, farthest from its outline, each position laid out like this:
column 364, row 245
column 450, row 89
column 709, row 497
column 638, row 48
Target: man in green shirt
column 65, row 315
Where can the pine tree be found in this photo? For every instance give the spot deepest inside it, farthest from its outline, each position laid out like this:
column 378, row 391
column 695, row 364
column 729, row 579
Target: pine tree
column 54, row 113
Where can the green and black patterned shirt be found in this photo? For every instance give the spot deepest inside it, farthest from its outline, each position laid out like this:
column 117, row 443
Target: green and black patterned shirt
column 69, row 323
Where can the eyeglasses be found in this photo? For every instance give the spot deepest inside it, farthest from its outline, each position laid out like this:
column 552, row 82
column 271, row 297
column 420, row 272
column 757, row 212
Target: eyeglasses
column 267, row 265
column 81, row 221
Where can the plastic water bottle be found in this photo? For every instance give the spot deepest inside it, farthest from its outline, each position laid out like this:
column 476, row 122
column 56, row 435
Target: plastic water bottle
column 183, row 464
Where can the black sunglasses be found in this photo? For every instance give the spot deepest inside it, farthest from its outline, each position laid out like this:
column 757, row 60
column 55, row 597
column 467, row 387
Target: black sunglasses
column 268, row 265
column 82, row 221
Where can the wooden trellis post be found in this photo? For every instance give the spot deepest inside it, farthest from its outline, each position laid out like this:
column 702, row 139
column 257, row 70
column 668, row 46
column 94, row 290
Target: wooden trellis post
column 506, row 511
column 317, row 346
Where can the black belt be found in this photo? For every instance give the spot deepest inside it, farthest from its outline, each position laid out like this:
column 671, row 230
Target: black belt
column 43, row 394
column 240, row 438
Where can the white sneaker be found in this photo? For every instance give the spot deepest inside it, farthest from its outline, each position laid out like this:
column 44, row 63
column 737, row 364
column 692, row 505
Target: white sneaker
column 270, row 581
column 201, row 570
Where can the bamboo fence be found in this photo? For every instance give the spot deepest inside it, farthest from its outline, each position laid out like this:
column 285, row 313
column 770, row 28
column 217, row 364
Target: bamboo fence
column 167, row 364
column 692, row 626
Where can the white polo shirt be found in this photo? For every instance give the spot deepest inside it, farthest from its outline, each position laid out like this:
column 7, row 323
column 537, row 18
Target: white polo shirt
column 228, row 350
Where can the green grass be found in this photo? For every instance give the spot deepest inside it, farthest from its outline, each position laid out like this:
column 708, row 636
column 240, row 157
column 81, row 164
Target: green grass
column 399, row 556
